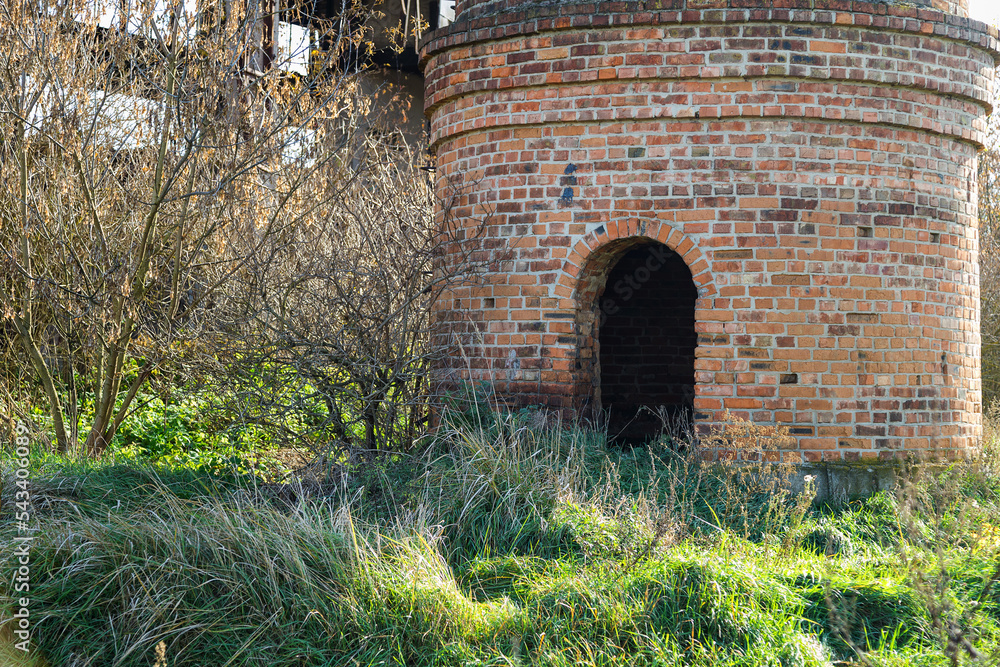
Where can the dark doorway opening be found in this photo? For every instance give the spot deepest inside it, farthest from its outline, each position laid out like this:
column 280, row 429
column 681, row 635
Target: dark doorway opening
column 647, row 341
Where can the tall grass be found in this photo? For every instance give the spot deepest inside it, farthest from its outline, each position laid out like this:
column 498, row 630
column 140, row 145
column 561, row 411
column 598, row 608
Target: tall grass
column 509, row 541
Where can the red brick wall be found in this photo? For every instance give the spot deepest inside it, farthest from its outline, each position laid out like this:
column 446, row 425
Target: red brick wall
column 814, row 168
column 467, row 10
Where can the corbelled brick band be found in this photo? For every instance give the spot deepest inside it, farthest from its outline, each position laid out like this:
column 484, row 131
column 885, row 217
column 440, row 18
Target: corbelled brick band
column 812, row 163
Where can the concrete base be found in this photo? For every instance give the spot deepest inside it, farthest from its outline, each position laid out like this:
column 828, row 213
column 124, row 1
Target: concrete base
column 844, row 481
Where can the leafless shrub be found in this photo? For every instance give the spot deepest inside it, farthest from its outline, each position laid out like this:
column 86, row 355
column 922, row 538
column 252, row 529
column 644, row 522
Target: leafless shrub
column 149, row 158
column 334, row 321
column 989, row 259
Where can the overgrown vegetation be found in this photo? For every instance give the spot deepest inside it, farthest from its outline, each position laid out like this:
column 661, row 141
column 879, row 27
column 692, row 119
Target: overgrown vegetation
column 245, row 295
column 186, row 203
column 508, row 540
column 989, row 258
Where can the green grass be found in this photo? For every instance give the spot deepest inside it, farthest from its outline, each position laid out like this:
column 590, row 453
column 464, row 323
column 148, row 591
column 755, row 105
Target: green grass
column 505, row 542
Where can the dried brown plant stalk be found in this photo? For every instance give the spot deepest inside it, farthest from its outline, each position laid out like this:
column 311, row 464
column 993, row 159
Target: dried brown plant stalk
column 753, row 465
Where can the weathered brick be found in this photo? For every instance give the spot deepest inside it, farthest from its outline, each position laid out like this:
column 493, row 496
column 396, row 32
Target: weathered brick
column 810, row 165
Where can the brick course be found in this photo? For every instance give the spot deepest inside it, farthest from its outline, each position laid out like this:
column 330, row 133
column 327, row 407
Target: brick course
column 814, row 168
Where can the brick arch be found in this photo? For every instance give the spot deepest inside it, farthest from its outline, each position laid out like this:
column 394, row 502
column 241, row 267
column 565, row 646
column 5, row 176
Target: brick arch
column 579, row 265
column 583, row 274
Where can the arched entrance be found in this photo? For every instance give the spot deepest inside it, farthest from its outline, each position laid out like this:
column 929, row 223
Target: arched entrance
column 646, row 342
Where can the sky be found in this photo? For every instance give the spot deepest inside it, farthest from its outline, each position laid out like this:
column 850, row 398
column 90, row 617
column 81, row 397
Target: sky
column 985, row 10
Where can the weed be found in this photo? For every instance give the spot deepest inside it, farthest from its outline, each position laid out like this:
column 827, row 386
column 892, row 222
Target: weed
column 512, row 539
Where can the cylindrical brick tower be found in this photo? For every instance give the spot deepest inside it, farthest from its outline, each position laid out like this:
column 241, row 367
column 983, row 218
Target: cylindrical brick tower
column 766, row 207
